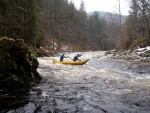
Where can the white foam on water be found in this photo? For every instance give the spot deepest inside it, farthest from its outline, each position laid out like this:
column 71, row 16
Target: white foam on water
column 91, row 72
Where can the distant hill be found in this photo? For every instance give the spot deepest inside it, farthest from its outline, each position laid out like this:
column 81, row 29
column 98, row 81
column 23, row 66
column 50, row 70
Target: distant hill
column 108, row 16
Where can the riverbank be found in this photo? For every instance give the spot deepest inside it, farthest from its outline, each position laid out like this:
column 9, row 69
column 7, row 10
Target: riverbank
column 139, row 55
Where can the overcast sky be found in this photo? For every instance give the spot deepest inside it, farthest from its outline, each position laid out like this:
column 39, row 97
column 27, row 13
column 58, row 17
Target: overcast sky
column 104, row 5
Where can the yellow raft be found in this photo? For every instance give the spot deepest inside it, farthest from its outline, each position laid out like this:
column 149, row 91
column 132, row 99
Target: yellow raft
column 71, row 62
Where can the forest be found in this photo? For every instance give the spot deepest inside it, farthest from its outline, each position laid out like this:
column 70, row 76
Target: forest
column 58, row 24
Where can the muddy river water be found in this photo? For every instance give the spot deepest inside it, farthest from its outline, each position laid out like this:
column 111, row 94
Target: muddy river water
column 100, row 86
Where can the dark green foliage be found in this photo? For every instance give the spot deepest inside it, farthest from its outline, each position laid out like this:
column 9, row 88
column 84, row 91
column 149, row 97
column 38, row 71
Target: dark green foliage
column 99, row 34
column 19, row 19
column 45, row 22
column 65, row 25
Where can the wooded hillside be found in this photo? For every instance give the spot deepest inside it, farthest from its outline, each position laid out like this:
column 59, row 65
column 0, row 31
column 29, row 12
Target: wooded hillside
column 57, row 23
column 136, row 30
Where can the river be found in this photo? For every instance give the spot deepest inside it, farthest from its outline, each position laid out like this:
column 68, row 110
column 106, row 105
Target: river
column 100, row 86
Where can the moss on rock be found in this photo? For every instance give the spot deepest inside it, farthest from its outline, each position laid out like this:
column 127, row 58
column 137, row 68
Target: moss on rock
column 17, row 65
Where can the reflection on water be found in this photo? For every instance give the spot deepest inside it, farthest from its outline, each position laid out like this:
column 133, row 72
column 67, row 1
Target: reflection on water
column 99, row 86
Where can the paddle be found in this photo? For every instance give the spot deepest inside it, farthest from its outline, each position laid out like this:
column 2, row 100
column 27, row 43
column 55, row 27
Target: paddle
column 70, row 58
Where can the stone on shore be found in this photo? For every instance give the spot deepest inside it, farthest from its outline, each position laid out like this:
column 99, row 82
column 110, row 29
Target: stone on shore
column 137, row 55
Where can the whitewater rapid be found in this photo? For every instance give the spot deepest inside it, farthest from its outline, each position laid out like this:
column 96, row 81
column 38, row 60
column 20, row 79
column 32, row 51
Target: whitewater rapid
column 100, row 86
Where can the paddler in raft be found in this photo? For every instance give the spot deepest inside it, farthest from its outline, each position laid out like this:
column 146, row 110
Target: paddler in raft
column 77, row 57
column 62, row 57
